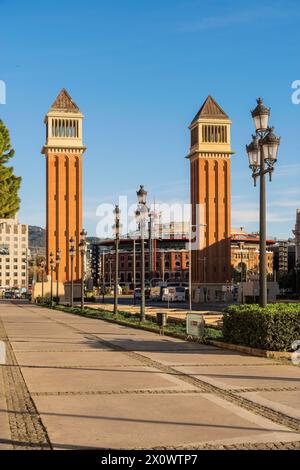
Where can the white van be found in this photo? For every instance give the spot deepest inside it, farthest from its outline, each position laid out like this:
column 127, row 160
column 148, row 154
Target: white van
column 173, row 294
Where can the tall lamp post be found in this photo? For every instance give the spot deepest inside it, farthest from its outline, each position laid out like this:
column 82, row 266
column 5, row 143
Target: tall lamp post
column 58, row 259
column 192, row 228
column 103, row 276
column 297, row 272
column 52, row 262
column 141, row 217
column 116, row 228
column 43, row 265
column 72, row 252
column 262, row 154
column 82, row 249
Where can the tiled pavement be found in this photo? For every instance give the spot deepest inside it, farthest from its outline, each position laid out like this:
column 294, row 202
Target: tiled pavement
column 77, row 383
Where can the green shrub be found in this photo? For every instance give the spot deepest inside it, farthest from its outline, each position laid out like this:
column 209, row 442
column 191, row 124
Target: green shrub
column 273, row 328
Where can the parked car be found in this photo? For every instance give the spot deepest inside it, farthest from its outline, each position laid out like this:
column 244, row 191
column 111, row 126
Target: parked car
column 8, row 294
column 137, row 294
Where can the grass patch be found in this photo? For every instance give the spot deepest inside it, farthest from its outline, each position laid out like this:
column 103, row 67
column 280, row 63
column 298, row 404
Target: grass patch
column 133, row 320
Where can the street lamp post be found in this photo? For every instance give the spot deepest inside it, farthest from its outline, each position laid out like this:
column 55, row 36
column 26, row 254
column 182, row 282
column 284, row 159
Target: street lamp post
column 297, row 271
column 134, row 269
column 43, row 265
column 141, row 216
column 82, row 249
column 193, row 226
column 262, row 154
column 72, row 252
column 51, row 270
column 110, row 271
column 103, row 277
column 116, row 228
column 58, row 259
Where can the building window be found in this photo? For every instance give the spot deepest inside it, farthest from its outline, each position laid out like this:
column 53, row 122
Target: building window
column 214, row 134
column 194, row 136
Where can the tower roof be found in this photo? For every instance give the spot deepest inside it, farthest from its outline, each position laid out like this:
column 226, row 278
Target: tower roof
column 210, row 110
column 65, row 103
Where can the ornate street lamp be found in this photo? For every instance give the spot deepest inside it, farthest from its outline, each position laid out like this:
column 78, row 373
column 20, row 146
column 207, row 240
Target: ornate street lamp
column 82, row 249
column 52, row 262
column 116, row 228
column 72, row 252
column 141, row 214
column 260, row 116
column 58, row 259
column 142, row 196
column 262, row 153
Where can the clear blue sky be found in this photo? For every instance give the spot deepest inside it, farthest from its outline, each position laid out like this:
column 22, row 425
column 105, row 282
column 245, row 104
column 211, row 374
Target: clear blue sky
column 139, row 71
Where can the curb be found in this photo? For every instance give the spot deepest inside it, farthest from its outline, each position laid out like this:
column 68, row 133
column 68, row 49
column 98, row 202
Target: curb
column 251, row 351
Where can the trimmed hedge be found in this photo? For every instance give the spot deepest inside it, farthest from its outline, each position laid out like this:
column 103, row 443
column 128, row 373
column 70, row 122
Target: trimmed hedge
column 273, row 328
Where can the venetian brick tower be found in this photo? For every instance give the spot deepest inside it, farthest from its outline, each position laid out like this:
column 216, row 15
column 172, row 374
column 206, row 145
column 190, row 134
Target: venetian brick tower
column 63, row 152
column 210, row 156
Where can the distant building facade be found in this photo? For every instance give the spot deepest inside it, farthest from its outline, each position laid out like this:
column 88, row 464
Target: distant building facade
column 297, row 236
column 284, row 256
column 13, row 254
column 171, row 261
column 245, row 255
column 171, row 258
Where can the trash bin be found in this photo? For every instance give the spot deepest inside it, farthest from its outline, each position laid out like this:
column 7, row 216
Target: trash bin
column 161, row 319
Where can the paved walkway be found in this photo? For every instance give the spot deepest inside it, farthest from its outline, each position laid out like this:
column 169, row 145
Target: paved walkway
column 77, row 383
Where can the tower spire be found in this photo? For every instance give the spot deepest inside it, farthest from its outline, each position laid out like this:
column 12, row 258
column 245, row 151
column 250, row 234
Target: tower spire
column 64, row 102
column 210, row 110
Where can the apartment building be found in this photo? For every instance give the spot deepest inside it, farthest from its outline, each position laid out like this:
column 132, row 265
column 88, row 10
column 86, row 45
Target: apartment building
column 13, row 254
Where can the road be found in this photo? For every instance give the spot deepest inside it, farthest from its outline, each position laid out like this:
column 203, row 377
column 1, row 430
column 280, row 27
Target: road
column 128, row 300
column 75, row 383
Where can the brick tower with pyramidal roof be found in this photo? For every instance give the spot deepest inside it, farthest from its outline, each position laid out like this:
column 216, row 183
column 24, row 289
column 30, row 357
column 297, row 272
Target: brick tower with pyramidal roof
column 63, row 152
column 210, row 155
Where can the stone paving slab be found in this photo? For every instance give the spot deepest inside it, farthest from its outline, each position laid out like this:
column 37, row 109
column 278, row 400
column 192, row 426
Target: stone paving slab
column 287, row 402
column 151, row 342
column 92, row 358
column 33, row 329
column 207, row 355
column 60, row 345
column 266, row 376
column 121, row 422
column 98, row 378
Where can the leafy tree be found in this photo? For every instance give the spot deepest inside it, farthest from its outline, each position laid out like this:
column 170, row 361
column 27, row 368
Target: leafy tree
column 9, row 183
